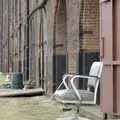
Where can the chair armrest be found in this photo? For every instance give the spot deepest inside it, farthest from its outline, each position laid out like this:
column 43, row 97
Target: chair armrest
column 83, row 76
column 64, row 80
column 73, row 85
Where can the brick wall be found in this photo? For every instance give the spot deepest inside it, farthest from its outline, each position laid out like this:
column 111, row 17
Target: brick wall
column 73, row 28
column 89, row 26
column 82, row 30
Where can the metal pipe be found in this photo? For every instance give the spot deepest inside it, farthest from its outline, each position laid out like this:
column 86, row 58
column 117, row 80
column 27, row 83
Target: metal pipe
column 20, row 46
column 27, row 46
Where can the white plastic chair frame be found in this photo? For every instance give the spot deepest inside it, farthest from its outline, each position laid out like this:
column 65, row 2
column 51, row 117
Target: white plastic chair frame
column 77, row 93
column 64, row 82
column 87, row 77
column 80, row 101
column 97, row 66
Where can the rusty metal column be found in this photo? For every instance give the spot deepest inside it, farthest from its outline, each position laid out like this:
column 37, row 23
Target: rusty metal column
column 110, row 55
column 106, row 54
column 20, row 40
column 26, row 65
column 1, row 36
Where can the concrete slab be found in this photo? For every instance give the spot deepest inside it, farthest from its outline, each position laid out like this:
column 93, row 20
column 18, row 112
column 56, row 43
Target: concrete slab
column 72, row 118
column 93, row 110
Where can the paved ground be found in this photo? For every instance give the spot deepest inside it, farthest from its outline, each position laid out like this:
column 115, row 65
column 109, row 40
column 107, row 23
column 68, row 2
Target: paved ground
column 95, row 112
column 43, row 108
column 73, row 118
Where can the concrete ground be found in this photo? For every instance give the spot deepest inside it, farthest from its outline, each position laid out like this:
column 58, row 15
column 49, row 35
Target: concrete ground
column 89, row 112
column 48, row 110
column 92, row 110
column 95, row 112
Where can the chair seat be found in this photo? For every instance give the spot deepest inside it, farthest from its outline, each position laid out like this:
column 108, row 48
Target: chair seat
column 69, row 94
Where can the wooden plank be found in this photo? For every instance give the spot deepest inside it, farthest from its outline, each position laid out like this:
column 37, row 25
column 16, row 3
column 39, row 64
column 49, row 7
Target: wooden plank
column 23, row 93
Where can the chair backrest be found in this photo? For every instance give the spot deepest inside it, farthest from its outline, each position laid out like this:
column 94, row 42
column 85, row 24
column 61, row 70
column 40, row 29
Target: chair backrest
column 95, row 71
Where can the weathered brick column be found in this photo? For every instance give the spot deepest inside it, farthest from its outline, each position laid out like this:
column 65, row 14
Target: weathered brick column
column 51, row 6
column 73, row 11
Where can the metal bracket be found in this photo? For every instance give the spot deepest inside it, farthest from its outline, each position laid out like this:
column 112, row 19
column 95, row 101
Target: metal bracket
column 102, row 48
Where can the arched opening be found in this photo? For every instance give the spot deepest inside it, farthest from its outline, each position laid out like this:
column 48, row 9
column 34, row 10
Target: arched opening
column 60, row 44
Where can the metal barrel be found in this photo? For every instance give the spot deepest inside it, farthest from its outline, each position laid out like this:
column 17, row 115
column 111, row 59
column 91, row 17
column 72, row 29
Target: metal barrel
column 16, row 80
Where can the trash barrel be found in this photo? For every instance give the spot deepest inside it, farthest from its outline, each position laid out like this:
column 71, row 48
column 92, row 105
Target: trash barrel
column 16, row 80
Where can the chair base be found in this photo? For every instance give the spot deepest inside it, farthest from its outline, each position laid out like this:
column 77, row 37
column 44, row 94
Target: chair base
column 66, row 109
column 105, row 116
column 69, row 107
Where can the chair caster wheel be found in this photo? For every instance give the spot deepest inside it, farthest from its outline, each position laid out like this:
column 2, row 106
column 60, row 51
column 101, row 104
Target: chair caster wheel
column 66, row 109
column 105, row 116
